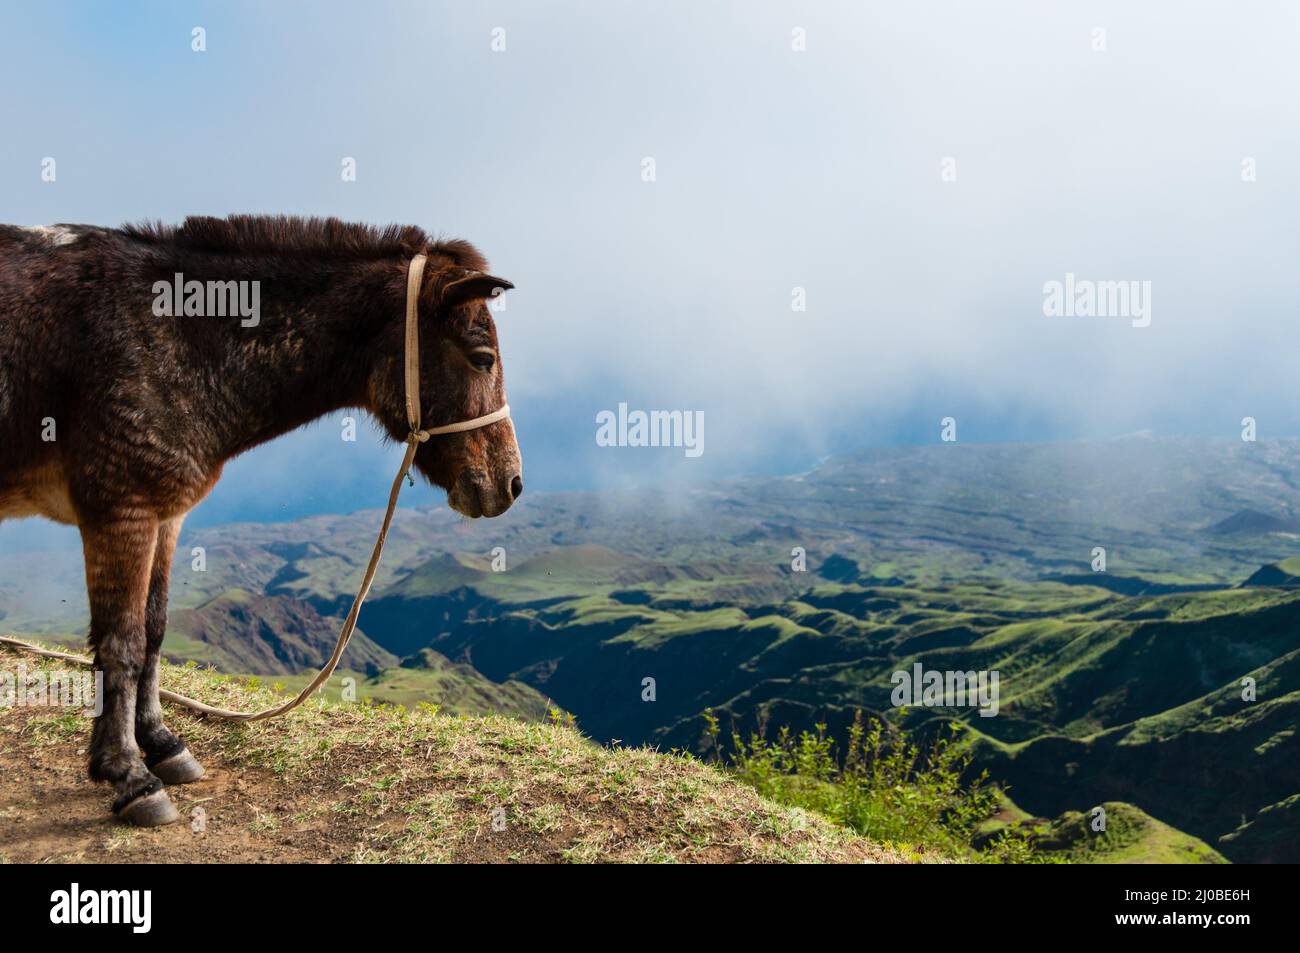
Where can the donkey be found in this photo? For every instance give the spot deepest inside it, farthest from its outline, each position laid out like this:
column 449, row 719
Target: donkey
column 119, row 407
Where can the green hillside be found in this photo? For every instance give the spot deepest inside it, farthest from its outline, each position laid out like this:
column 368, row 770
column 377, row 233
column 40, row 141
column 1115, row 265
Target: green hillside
column 1130, row 836
column 429, row 678
column 1284, row 574
column 1102, row 697
column 240, row 631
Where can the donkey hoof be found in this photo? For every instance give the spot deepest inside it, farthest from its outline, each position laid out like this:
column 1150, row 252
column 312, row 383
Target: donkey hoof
column 180, row 768
column 149, row 810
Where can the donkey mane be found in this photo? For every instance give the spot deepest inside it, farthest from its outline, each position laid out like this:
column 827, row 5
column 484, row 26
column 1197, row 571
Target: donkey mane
column 300, row 237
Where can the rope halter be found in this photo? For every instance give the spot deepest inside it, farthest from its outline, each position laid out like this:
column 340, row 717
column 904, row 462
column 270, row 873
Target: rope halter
column 418, row 435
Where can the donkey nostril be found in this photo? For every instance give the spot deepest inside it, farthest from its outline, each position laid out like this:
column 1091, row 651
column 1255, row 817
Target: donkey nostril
column 516, row 487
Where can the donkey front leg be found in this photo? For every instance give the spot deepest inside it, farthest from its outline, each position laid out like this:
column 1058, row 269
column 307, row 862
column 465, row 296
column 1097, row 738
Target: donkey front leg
column 119, row 561
column 164, row 753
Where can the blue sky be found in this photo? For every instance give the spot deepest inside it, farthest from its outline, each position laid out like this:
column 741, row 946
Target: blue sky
column 775, row 169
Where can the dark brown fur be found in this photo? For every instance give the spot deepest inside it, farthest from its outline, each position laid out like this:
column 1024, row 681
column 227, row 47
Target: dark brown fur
column 148, row 409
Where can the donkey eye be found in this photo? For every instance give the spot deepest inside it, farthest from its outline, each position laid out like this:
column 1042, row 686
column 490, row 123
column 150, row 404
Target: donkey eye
column 482, row 358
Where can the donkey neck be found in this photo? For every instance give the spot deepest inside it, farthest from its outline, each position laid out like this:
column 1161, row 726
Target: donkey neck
column 319, row 332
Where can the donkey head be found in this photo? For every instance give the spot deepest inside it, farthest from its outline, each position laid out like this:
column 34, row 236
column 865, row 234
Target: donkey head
column 460, row 379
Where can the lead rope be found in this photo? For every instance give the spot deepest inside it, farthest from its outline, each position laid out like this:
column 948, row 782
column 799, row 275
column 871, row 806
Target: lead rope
column 417, row 436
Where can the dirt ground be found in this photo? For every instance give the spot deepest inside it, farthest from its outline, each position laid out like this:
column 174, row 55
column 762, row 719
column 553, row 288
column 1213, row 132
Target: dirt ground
column 379, row 784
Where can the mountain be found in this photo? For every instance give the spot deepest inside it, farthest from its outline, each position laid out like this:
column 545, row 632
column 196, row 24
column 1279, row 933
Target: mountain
column 1272, row 835
column 1255, row 523
column 429, row 678
column 240, row 631
column 1166, row 510
column 1102, row 697
column 1164, row 679
column 1284, row 574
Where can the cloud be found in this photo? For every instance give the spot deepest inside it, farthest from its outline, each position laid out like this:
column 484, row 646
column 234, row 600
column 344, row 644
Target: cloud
column 775, row 170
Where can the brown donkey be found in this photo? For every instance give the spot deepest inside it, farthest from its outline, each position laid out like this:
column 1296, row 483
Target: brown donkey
column 135, row 362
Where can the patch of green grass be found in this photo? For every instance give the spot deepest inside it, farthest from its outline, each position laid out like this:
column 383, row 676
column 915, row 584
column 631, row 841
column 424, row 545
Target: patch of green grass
column 884, row 786
column 1130, row 836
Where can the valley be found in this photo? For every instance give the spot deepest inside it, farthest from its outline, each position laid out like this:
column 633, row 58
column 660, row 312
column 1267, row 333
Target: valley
column 1168, row 684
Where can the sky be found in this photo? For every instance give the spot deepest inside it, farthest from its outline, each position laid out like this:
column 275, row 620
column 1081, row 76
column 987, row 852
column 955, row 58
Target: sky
column 919, row 170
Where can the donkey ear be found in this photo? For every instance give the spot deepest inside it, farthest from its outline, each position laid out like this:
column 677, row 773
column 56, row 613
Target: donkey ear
column 472, row 287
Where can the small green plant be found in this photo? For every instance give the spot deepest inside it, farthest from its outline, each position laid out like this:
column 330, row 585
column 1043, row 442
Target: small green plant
column 885, row 786
column 1013, row 846
column 558, row 716
column 712, row 733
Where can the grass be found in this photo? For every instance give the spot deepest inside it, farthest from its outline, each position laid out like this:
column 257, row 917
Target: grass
column 384, row 784
column 1290, row 566
column 1130, row 836
column 884, row 786
column 896, row 791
